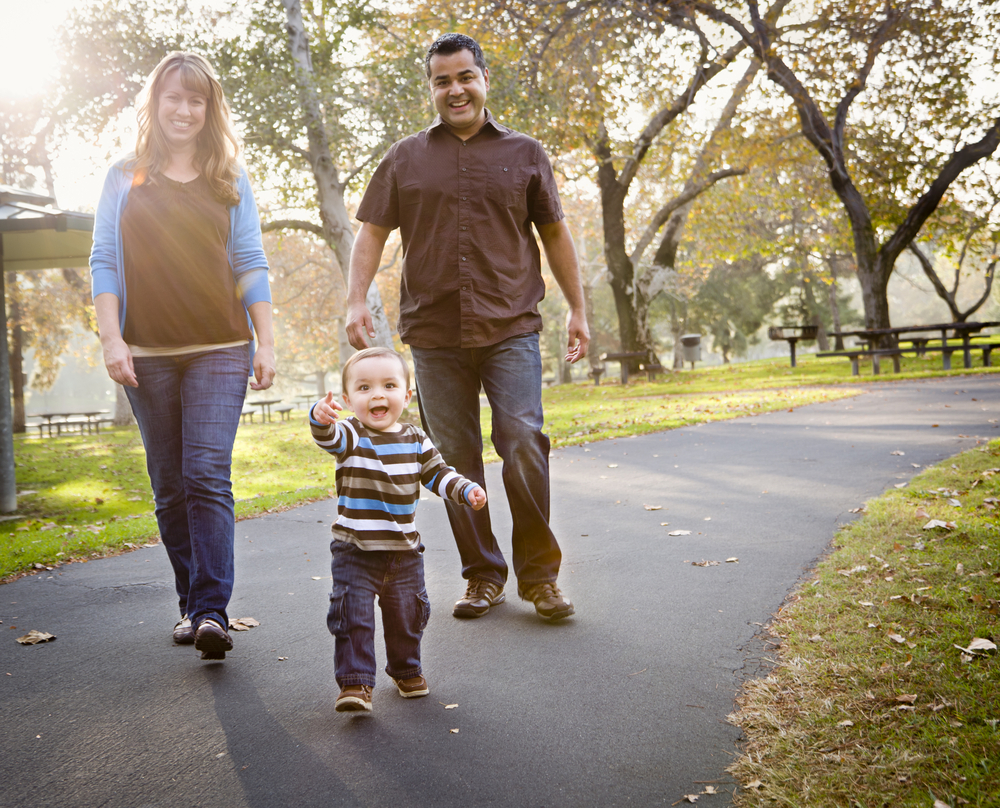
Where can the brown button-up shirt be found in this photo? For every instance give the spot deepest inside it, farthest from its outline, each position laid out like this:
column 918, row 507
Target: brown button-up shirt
column 471, row 266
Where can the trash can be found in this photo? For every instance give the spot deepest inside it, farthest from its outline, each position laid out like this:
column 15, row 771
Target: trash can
column 692, row 347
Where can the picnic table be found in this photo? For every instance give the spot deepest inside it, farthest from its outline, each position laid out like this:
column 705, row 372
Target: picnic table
column 960, row 339
column 89, row 421
column 792, row 334
column 624, row 359
column 265, row 407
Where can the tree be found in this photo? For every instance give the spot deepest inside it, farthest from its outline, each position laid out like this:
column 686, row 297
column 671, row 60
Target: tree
column 923, row 106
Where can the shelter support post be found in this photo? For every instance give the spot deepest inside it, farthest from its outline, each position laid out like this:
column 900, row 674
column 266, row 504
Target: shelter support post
column 8, row 483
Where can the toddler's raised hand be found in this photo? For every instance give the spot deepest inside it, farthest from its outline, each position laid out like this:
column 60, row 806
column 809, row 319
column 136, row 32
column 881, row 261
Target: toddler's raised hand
column 325, row 410
column 477, row 498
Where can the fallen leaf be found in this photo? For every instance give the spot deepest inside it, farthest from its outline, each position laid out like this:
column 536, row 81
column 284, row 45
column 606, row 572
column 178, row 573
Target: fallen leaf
column 815, row 638
column 653, row 507
column 453, row 731
column 710, row 790
column 847, row 723
column 664, row 524
column 243, row 624
column 689, row 798
column 679, row 533
column 900, row 485
column 316, row 578
column 34, row 637
column 610, row 466
column 907, row 698
column 898, row 453
column 939, row 804
column 450, row 706
column 897, row 638
column 981, row 644
column 704, row 563
column 938, row 523
column 282, row 659
column 754, row 784
column 857, row 510
column 733, row 560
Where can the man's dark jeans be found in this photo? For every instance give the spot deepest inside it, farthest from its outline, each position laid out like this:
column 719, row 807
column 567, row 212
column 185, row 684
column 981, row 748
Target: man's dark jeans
column 448, row 384
column 188, row 409
column 397, row 579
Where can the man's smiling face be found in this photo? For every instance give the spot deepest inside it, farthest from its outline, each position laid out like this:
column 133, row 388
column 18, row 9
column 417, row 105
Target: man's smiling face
column 459, row 89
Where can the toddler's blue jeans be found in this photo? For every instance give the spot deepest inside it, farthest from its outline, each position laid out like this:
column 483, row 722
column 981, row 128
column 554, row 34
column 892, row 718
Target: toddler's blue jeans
column 397, row 579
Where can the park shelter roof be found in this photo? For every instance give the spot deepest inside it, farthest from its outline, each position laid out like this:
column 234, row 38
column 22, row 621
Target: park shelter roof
column 37, row 235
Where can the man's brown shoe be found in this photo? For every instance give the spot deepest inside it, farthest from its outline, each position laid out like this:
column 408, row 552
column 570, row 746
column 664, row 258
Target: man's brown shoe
column 480, row 595
column 549, row 601
column 354, row 698
column 412, row 688
column 212, row 640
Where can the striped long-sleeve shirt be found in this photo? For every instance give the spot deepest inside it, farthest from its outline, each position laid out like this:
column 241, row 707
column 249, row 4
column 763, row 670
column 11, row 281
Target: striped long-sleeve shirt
column 379, row 475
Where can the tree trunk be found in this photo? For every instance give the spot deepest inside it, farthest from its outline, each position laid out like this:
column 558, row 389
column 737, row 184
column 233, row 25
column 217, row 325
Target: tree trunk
column 123, row 409
column 808, row 279
column 16, row 352
column 333, row 213
column 833, row 291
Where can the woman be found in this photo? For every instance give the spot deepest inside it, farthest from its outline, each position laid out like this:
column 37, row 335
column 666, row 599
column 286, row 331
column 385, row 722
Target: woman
column 179, row 276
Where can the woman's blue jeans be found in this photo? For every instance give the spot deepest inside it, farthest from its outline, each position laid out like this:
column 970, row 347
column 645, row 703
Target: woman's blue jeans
column 448, row 384
column 397, row 580
column 188, row 409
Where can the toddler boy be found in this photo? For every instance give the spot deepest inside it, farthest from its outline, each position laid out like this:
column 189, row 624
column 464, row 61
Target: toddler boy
column 381, row 464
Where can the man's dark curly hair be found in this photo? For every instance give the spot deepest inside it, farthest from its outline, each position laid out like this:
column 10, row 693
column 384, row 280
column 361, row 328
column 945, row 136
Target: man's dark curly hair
column 453, row 43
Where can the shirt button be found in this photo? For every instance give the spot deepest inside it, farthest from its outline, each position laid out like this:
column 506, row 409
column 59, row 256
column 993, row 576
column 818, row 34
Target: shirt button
column 464, row 198
column 464, row 288
column 465, row 228
column 464, row 258
column 505, row 169
column 464, row 169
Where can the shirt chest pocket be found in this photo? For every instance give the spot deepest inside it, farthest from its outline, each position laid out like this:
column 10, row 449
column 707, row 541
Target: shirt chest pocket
column 506, row 185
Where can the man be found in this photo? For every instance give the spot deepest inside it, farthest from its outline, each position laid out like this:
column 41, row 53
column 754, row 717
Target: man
column 464, row 193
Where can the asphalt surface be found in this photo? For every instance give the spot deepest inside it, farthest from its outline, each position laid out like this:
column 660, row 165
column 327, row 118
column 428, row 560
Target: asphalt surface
column 623, row 704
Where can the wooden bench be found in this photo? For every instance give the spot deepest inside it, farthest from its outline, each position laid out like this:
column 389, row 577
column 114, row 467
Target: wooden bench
column 595, row 373
column 919, row 348
column 284, row 410
column 651, row 370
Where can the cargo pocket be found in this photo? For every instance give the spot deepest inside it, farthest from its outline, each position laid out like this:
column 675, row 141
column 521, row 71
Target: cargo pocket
column 335, row 617
column 423, row 610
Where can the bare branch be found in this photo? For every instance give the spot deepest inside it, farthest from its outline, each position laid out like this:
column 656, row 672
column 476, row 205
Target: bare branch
column 291, row 224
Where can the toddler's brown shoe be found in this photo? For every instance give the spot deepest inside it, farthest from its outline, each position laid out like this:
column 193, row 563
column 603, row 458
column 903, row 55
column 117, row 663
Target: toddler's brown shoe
column 354, row 698
column 412, row 688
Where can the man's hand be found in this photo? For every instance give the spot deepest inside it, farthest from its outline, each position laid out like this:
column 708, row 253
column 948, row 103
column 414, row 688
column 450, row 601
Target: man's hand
column 579, row 336
column 477, row 498
column 324, row 411
column 360, row 328
column 263, row 367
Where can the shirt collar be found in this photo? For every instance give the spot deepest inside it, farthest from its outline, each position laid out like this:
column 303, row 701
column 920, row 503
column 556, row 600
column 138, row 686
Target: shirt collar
column 490, row 122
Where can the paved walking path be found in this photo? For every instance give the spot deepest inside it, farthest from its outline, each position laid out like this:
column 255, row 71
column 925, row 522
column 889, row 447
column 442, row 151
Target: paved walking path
column 624, row 704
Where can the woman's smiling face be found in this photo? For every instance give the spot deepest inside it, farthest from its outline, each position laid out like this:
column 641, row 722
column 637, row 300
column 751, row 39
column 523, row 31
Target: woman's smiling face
column 180, row 112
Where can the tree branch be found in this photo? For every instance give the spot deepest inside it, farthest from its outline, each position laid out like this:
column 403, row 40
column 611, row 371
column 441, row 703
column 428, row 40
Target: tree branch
column 291, row 224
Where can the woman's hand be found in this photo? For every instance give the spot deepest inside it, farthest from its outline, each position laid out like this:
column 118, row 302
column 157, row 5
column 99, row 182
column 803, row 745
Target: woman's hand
column 263, row 367
column 118, row 361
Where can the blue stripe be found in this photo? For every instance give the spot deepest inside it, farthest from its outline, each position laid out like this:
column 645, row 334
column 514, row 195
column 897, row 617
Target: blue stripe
column 377, row 505
column 390, row 448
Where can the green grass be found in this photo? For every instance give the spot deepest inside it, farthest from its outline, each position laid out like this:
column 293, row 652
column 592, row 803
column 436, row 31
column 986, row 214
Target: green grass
column 871, row 703
column 92, row 495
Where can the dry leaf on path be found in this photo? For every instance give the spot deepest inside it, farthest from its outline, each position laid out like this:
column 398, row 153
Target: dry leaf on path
column 34, row 637
column 450, row 706
column 689, row 798
column 612, row 465
column 653, row 507
column 243, row 624
column 710, row 790
column 453, row 731
column 704, row 563
column 679, row 533
column 754, row 784
column 898, row 453
column 732, row 560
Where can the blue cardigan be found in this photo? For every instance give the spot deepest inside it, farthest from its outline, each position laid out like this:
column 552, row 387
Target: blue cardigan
column 246, row 252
